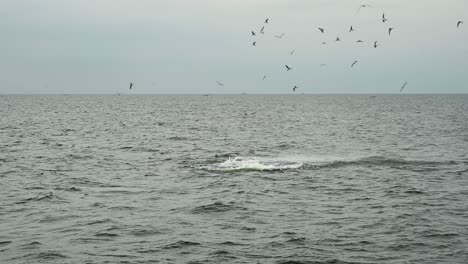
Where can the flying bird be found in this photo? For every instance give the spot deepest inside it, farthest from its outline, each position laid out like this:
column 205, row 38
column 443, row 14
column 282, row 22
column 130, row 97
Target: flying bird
column 261, row 30
column 323, row 64
column 390, row 31
column 292, row 52
column 220, row 83
column 264, row 77
column 254, row 43
column 131, row 85
column 294, row 88
column 459, row 22
column 362, row 6
column 253, row 33
column 338, row 39
column 280, row 36
column 322, row 30
column 288, row 68
column 324, row 43
column 354, row 63
column 266, row 20
column 359, row 41
column 351, row 29
column 384, row 19
column 403, row 87
column 375, row 44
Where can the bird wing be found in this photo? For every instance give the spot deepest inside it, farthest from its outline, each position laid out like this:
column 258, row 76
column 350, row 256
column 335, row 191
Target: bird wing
column 403, row 87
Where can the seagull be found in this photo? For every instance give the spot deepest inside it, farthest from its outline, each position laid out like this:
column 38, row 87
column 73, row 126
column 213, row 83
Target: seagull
column 254, row 43
column 403, row 87
column 375, row 44
column 359, row 41
column 322, row 30
column 295, row 87
column 261, row 30
column 351, row 29
column 264, row 77
column 280, row 36
column 354, row 63
column 324, row 43
column 361, row 6
column 338, row 39
column 220, row 83
column 292, row 52
column 266, row 21
column 390, row 31
column 131, row 85
column 383, row 18
column 253, row 33
column 288, row 68
column 459, row 22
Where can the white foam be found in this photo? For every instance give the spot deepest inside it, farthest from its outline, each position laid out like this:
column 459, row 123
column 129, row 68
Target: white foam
column 253, row 163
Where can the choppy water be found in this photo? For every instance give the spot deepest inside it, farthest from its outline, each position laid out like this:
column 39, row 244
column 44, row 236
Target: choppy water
column 234, row 179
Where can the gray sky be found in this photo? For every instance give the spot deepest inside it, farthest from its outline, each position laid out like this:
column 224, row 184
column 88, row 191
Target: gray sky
column 185, row 46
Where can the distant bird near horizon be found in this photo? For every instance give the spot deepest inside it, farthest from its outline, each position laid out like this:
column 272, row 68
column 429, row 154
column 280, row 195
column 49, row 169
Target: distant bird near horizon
column 280, row 36
column 264, row 77
column 254, row 43
column 351, row 29
column 266, row 20
column 292, row 52
column 253, row 33
column 375, row 44
column 324, row 42
column 354, row 63
column 131, row 85
column 322, row 30
column 295, row 87
column 459, row 22
column 403, row 87
column 323, row 64
column 390, row 30
column 220, row 83
column 261, row 30
column 383, row 18
column 288, row 68
column 337, row 39
column 362, row 6
column 359, row 41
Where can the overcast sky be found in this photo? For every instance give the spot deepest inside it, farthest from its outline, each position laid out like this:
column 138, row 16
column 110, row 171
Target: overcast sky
column 185, row 46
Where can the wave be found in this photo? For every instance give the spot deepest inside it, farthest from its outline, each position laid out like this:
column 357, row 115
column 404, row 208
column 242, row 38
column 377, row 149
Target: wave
column 181, row 244
column 236, row 164
column 216, row 207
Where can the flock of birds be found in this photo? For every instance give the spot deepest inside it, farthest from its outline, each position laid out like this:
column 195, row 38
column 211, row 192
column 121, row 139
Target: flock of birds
column 322, row 31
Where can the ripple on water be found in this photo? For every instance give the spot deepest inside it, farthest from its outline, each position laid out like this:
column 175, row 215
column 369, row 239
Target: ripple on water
column 181, row 244
column 216, row 207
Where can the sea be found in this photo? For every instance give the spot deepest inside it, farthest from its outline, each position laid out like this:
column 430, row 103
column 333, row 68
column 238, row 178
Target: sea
column 234, row 179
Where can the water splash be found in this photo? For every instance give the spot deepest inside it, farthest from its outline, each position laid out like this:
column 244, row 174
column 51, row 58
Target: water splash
column 253, row 164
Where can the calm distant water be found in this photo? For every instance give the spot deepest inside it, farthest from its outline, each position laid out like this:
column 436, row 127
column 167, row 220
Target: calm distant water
column 234, row 179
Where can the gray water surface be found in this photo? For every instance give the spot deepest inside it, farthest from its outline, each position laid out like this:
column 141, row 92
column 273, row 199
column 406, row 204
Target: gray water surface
column 234, row 179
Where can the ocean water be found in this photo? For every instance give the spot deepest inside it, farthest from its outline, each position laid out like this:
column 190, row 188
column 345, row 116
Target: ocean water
column 234, row 179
